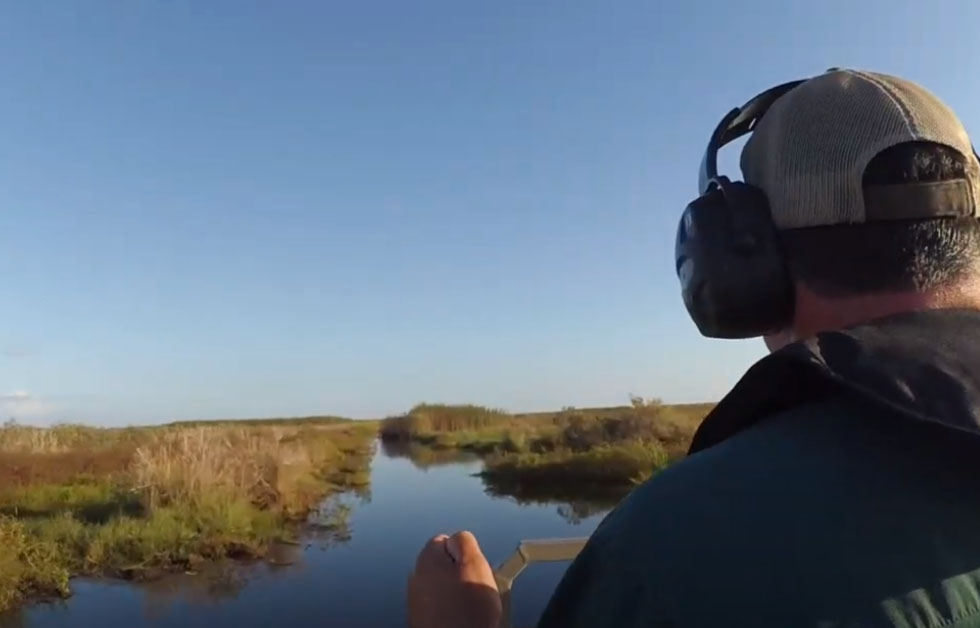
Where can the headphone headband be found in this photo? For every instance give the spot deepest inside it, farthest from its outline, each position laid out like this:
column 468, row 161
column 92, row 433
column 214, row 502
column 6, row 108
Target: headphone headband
column 739, row 121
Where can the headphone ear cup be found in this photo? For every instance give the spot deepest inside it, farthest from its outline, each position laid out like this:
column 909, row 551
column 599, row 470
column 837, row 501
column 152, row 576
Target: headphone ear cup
column 733, row 276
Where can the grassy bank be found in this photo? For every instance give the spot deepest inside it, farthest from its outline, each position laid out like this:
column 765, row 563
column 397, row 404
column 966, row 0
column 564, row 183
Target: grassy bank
column 598, row 447
column 138, row 502
column 467, row 427
column 618, row 463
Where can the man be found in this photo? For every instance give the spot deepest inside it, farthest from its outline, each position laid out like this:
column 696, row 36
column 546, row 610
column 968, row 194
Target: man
column 838, row 483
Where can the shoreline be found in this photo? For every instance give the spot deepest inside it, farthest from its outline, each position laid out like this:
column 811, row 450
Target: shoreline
column 185, row 498
column 615, row 447
column 143, row 504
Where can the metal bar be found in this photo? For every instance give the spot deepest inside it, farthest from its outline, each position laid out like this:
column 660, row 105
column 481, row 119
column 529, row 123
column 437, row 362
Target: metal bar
column 527, row 553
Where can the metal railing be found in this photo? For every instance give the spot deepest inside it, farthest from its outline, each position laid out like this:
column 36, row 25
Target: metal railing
column 527, row 553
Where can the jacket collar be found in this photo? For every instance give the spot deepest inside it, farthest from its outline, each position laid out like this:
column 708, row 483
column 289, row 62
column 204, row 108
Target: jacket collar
column 921, row 365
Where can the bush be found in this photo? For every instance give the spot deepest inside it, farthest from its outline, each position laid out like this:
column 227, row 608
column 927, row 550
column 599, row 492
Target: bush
column 87, row 498
column 28, row 566
column 514, row 442
column 396, row 428
column 604, row 465
column 426, row 419
column 482, row 430
column 179, row 535
column 635, row 424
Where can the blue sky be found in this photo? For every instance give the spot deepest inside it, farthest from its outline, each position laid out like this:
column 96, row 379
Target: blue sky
column 226, row 209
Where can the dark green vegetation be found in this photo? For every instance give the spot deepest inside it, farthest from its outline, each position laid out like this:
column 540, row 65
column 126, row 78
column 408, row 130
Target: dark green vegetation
column 598, row 448
column 136, row 502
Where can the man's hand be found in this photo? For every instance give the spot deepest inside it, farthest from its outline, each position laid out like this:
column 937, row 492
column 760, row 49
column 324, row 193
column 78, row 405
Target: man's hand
column 453, row 586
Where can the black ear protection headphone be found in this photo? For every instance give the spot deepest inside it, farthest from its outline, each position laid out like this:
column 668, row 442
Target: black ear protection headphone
column 733, row 276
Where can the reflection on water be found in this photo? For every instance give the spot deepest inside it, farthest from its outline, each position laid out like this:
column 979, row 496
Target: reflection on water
column 423, row 457
column 351, row 569
column 216, row 585
column 574, row 505
column 330, row 522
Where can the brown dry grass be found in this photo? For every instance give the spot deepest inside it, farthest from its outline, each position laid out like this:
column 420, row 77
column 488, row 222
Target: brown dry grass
column 65, row 438
column 23, row 469
column 267, row 465
column 486, row 431
column 31, row 455
column 78, row 500
column 284, row 464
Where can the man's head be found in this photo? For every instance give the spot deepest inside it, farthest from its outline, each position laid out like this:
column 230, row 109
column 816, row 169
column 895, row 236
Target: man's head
column 834, row 157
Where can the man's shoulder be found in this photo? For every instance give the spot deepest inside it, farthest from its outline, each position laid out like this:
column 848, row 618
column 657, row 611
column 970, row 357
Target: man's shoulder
column 785, row 487
column 828, row 508
column 677, row 539
column 772, row 453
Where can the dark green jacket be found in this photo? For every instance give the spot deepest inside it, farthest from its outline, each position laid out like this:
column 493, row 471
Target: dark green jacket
column 837, row 485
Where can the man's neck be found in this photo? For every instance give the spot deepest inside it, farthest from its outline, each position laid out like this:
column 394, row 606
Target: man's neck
column 815, row 314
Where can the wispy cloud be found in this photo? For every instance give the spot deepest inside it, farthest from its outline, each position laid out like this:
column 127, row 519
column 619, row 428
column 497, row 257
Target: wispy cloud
column 17, row 396
column 17, row 351
column 21, row 404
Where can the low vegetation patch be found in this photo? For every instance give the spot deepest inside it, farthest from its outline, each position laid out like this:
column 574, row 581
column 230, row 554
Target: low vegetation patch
column 29, row 566
column 604, row 465
column 134, row 503
column 601, row 446
column 430, row 421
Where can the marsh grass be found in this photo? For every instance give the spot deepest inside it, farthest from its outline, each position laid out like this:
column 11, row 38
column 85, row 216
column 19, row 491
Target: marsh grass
column 601, row 446
column 87, row 498
column 621, row 464
column 134, row 503
column 29, row 566
column 429, row 419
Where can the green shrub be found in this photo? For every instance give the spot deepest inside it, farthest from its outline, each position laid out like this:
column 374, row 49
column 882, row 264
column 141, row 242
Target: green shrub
column 88, row 498
column 428, row 418
column 514, row 442
column 28, row 566
column 180, row 534
column 623, row 464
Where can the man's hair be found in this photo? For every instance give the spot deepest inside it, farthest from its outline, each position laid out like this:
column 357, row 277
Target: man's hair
column 892, row 256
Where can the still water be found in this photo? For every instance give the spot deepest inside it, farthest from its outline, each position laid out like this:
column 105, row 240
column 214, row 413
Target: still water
column 358, row 580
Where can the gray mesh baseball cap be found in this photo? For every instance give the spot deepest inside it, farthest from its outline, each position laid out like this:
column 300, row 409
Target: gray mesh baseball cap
column 809, row 151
